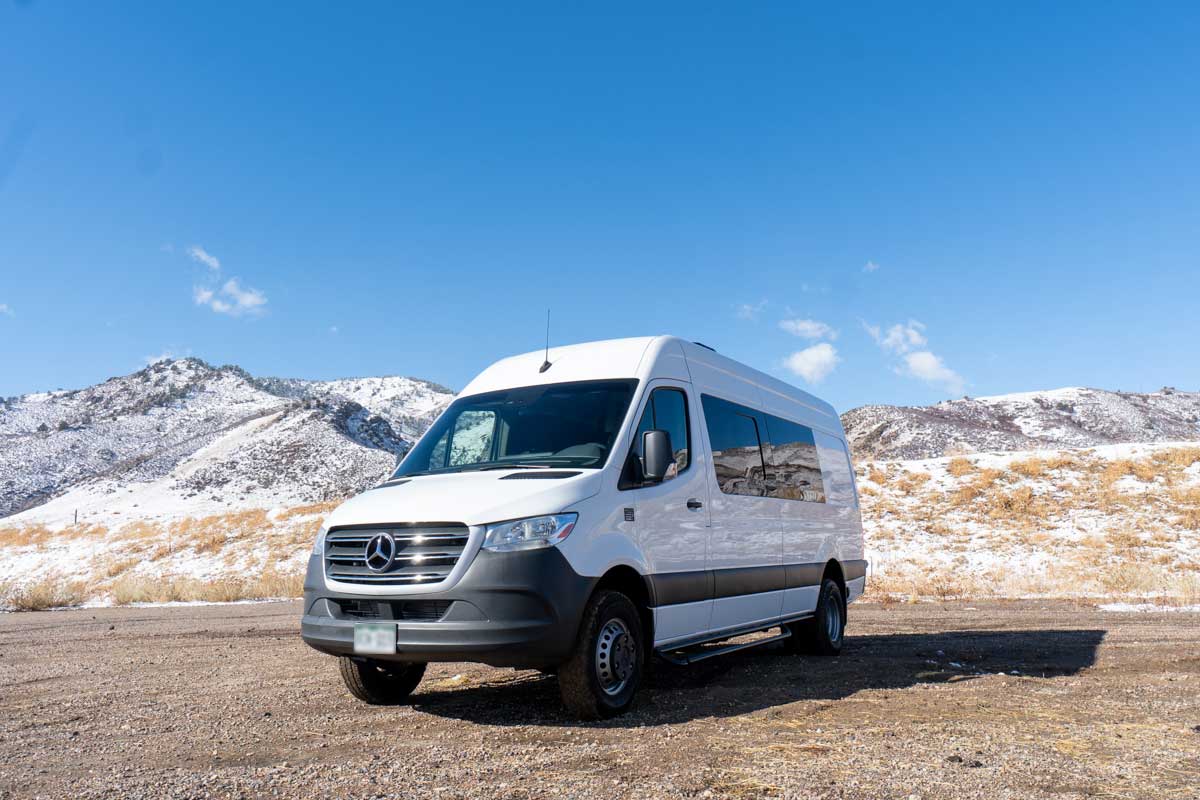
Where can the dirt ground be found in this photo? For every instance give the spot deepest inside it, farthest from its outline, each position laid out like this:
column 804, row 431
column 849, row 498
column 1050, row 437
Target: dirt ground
column 986, row 700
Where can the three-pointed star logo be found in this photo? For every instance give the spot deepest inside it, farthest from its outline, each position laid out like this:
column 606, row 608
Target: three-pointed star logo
column 380, row 552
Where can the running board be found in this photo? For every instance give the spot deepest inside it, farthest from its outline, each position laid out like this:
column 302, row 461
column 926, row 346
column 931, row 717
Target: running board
column 682, row 659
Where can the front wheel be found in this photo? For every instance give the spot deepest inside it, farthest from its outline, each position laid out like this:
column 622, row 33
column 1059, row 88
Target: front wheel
column 604, row 670
column 824, row 632
column 380, row 683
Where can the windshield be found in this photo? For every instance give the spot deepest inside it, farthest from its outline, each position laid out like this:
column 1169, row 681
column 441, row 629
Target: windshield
column 557, row 425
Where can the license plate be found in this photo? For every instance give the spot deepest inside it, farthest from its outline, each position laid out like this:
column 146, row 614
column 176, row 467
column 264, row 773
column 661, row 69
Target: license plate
column 375, row 638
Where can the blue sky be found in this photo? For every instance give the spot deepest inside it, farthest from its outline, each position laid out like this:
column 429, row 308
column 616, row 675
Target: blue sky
column 893, row 203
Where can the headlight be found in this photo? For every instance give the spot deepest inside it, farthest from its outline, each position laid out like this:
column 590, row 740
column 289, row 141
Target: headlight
column 526, row 534
column 320, row 540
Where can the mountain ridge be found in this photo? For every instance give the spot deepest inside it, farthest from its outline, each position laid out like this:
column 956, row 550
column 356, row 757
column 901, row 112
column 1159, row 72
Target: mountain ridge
column 139, row 428
column 1069, row 417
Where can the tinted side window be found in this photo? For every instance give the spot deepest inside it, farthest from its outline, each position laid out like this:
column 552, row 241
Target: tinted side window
column 737, row 451
column 839, row 478
column 794, row 462
column 666, row 411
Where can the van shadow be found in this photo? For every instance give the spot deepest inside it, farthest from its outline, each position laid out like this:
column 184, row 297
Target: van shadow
column 764, row 677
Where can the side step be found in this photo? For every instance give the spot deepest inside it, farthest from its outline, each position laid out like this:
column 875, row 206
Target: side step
column 682, row 658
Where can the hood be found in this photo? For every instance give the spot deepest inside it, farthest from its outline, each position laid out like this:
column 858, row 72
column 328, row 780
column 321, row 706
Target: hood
column 472, row 498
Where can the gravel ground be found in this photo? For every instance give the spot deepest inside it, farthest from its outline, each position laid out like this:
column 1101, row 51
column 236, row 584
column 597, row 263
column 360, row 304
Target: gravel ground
column 225, row 701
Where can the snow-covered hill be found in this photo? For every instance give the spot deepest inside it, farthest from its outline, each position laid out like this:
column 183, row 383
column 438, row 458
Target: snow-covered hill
column 1060, row 418
column 200, row 438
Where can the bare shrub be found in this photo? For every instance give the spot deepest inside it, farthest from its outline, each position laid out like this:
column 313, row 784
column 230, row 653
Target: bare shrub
column 958, row 467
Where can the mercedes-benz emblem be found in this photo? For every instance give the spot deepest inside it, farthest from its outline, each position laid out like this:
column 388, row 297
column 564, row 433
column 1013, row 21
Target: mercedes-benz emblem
column 380, row 552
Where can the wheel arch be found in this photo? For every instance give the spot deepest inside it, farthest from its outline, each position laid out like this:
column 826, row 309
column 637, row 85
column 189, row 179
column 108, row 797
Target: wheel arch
column 833, row 569
column 629, row 582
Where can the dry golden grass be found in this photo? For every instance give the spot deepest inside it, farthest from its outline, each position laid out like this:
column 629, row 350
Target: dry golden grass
column 39, row 534
column 174, row 588
column 1179, row 458
column 49, row 592
column 909, row 482
column 24, row 535
column 1030, row 468
column 958, row 467
column 308, row 510
column 1144, row 471
column 876, row 475
column 1016, row 504
column 114, row 568
column 1123, row 540
column 974, row 488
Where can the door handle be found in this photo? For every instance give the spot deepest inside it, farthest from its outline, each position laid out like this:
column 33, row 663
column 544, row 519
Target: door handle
column 693, row 503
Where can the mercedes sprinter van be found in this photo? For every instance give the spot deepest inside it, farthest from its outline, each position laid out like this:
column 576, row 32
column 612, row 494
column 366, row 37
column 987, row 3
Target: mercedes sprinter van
column 586, row 511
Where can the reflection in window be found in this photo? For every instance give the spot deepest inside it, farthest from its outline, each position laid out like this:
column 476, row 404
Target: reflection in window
column 737, row 453
column 666, row 410
column 839, row 479
column 795, row 465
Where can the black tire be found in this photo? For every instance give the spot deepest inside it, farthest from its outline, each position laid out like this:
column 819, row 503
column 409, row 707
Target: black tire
column 824, row 633
column 380, row 683
column 604, row 671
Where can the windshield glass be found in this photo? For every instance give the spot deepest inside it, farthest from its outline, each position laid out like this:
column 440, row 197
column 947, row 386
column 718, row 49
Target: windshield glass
column 557, row 425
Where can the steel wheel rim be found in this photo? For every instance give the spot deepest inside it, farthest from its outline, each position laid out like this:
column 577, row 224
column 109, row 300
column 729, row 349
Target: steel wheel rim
column 616, row 656
column 833, row 618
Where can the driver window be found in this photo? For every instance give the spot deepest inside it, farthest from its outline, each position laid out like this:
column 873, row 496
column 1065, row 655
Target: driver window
column 667, row 411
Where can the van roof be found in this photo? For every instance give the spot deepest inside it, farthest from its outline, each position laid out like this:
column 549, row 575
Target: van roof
column 648, row 357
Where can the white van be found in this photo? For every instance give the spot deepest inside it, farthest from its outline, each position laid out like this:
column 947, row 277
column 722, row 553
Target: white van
column 584, row 511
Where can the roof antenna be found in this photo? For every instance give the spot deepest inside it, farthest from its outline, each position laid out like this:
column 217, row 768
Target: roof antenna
column 546, row 363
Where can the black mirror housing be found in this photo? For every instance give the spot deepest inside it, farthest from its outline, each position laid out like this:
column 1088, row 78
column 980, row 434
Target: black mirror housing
column 657, row 456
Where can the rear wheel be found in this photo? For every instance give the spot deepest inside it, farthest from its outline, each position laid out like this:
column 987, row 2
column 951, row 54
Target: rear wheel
column 603, row 673
column 825, row 631
column 380, row 683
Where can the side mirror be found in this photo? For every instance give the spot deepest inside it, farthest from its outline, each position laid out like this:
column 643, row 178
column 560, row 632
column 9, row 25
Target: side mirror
column 657, row 456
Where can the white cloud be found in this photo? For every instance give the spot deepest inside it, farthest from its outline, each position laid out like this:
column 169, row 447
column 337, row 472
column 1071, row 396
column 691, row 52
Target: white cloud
column 930, row 368
column 813, row 363
column 198, row 253
column 751, row 311
column 899, row 339
column 907, row 341
column 870, row 266
column 5, row 310
column 231, row 299
column 808, row 328
column 248, row 299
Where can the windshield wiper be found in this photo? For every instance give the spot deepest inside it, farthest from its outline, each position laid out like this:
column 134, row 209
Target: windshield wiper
column 511, row 466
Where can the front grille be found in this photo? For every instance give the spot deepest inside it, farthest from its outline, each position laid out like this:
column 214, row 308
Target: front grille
column 405, row 610
column 424, row 553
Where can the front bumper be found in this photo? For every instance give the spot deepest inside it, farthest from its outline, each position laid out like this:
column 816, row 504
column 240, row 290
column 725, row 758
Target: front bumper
column 515, row 609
